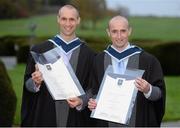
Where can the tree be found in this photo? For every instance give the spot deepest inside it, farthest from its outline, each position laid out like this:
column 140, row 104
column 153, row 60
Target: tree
column 92, row 10
column 58, row 2
column 12, row 9
column 98, row 10
column 50, row 6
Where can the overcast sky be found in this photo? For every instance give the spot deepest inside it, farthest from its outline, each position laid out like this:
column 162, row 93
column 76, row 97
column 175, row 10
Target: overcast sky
column 148, row 7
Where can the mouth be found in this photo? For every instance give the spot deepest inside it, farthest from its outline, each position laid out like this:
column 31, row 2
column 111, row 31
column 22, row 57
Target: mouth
column 119, row 40
column 68, row 29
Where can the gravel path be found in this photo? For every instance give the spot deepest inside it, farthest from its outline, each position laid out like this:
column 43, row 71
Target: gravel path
column 171, row 124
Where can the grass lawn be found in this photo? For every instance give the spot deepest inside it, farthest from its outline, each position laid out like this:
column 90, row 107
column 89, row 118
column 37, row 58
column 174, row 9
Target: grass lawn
column 16, row 76
column 172, row 87
column 164, row 29
column 172, row 98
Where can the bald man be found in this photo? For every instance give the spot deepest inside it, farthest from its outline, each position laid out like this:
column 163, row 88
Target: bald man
column 38, row 106
column 149, row 107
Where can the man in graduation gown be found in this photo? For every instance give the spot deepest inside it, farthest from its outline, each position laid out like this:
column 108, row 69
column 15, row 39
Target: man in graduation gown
column 38, row 106
column 149, row 106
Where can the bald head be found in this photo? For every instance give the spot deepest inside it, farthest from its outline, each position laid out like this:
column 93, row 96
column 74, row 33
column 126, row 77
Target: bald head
column 70, row 7
column 119, row 19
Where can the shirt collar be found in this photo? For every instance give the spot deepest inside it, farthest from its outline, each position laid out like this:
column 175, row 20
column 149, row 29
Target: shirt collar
column 127, row 47
column 130, row 50
column 66, row 46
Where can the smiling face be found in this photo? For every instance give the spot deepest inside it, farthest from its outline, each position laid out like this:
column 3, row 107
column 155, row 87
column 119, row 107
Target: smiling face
column 68, row 20
column 119, row 32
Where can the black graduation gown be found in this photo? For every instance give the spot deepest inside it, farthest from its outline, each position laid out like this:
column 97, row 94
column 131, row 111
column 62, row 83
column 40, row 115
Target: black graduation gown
column 38, row 109
column 148, row 113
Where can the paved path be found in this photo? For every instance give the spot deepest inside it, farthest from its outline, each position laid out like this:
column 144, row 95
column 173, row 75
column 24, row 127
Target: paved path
column 171, row 124
column 9, row 61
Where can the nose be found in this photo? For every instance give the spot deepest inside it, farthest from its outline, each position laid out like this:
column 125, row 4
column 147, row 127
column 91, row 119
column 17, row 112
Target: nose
column 119, row 35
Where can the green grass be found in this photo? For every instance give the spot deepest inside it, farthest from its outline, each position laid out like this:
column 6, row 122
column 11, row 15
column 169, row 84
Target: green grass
column 16, row 76
column 164, row 29
column 172, row 99
column 46, row 25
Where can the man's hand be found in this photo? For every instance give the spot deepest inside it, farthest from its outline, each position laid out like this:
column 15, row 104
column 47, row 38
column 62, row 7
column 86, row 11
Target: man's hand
column 74, row 102
column 37, row 76
column 142, row 85
column 92, row 104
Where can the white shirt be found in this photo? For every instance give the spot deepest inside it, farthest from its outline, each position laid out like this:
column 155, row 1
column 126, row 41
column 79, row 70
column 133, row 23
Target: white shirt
column 124, row 62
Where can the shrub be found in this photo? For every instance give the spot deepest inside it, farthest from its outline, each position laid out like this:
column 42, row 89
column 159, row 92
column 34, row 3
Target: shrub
column 22, row 53
column 168, row 57
column 7, row 97
column 7, row 47
column 98, row 44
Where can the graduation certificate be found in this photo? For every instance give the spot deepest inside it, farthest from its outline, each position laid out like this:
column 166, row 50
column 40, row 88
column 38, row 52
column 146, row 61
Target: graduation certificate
column 116, row 98
column 60, row 79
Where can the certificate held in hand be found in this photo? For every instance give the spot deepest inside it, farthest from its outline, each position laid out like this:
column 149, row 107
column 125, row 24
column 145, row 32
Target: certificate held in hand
column 60, row 79
column 116, row 97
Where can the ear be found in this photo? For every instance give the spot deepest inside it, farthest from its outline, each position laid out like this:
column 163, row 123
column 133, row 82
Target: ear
column 58, row 18
column 79, row 20
column 107, row 30
column 130, row 31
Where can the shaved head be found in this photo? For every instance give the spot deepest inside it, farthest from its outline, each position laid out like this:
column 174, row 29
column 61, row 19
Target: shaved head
column 68, row 6
column 118, row 19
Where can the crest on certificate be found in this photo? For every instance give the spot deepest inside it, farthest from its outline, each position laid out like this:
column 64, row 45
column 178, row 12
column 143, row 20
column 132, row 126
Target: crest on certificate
column 120, row 82
column 49, row 68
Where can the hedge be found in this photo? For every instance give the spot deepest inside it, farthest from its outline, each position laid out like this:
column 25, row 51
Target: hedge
column 168, row 55
column 166, row 52
column 8, row 98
